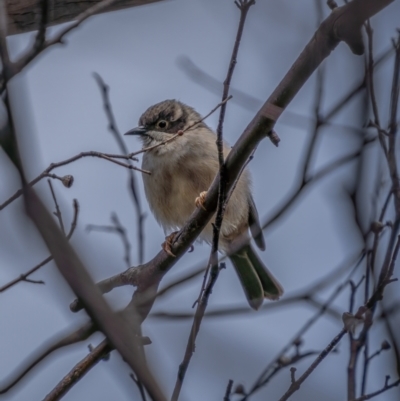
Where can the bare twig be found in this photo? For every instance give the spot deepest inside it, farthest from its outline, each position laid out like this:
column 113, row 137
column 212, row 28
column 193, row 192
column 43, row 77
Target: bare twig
column 79, row 371
column 139, row 386
column 355, row 346
column 61, row 341
column 57, row 213
column 367, row 310
column 5, row 58
column 386, row 387
column 264, row 377
column 312, row 180
column 119, row 229
column 227, row 396
column 251, row 103
column 384, row 347
column 76, row 336
column 371, row 87
column 41, row 33
column 112, row 125
column 244, row 310
column 46, row 173
column 306, row 295
column 295, row 385
column 41, row 44
column 244, row 6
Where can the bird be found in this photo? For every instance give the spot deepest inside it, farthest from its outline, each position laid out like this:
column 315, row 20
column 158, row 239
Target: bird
column 181, row 156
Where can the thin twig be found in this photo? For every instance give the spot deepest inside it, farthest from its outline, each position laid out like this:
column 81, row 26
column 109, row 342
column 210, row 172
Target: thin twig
column 393, row 127
column 295, row 385
column 228, row 390
column 41, row 33
column 79, row 335
column 52, row 166
column 244, row 6
column 40, row 44
column 354, row 346
column 318, row 122
column 112, row 125
column 119, row 229
column 367, row 310
column 264, row 376
column 57, row 213
column 386, row 387
column 251, row 103
column 371, row 86
column 236, row 311
column 79, row 371
column 302, row 186
column 62, row 341
column 139, row 386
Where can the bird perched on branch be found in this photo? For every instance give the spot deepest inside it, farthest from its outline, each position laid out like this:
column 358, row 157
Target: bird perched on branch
column 183, row 161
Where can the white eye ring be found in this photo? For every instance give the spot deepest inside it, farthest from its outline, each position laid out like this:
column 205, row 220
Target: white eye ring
column 162, row 124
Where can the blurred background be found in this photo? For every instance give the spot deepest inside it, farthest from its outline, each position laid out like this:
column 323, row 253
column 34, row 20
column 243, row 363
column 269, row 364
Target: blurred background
column 181, row 49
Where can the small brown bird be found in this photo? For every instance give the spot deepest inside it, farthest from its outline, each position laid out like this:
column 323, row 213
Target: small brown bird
column 181, row 171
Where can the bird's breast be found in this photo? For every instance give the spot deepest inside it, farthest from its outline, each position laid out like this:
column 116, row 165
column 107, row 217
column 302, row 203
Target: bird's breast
column 173, row 186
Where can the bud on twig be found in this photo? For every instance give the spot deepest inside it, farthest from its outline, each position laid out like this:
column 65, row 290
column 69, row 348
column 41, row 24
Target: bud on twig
column 273, row 136
column 239, row 389
column 67, row 181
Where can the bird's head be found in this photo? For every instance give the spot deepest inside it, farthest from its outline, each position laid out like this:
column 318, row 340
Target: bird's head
column 163, row 120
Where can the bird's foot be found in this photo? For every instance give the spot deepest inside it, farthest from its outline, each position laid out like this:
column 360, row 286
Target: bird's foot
column 200, row 200
column 166, row 245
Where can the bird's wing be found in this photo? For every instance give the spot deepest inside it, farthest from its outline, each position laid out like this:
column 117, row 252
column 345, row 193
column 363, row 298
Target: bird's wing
column 254, row 224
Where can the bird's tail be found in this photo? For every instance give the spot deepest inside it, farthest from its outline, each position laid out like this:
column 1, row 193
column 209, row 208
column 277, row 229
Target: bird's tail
column 257, row 281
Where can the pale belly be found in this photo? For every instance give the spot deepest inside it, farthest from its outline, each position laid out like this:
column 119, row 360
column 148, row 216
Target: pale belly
column 171, row 193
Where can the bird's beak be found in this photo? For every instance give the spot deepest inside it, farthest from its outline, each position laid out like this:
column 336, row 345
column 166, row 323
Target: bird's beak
column 141, row 130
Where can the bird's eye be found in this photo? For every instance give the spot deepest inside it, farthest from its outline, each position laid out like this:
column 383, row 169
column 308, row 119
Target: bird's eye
column 162, row 124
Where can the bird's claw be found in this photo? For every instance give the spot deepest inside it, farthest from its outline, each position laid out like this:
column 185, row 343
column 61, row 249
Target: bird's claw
column 166, row 245
column 200, row 200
